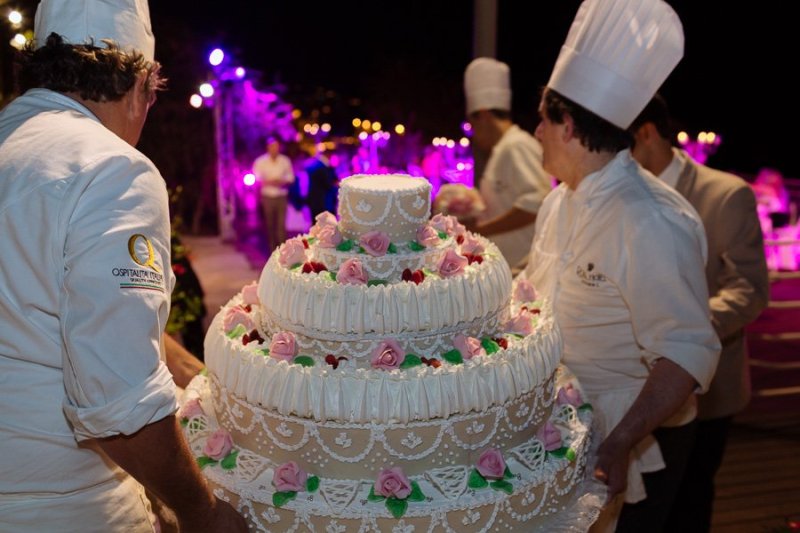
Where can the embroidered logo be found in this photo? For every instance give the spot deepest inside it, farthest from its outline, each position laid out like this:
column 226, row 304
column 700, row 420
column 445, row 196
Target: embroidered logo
column 589, row 276
column 149, row 277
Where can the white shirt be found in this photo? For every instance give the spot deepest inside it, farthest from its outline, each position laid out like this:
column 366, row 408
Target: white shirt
column 622, row 259
column 514, row 177
column 85, row 280
column 278, row 169
column 672, row 173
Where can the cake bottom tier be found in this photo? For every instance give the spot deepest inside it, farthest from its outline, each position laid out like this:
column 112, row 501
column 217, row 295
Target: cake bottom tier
column 540, row 487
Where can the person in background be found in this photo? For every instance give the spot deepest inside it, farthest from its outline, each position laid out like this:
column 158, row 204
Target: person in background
column 514, row 183
column 274, row 170
column 738, row 286
column 621, row 257
column 87, row 400
column 322, row 182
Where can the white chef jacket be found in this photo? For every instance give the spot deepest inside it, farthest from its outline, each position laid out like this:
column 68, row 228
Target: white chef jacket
column 85, row 280
column 622, row 258
column 280, row 168
column 514, row 177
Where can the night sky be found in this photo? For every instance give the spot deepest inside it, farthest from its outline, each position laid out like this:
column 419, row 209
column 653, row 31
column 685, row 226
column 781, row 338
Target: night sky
column 732, row 80
column 405, row 61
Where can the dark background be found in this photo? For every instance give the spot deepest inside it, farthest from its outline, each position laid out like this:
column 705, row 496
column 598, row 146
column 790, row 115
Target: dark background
column 404, row 61
column 407, row 59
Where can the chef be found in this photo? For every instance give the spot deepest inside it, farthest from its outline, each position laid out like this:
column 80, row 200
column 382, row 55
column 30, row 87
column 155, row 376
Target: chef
column 621, row 256
column 513, row 183
column 87, row 401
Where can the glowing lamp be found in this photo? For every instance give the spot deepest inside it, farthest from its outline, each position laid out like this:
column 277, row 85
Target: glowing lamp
column 464, row 142
column 399, row 129
column 249, row 179
column 196, row 101
column 215, row 57
column 326, row 127
column 683, row 137
column 15, row 17
column 356, row 122
column 240, row 72
column 451, row 143
column 377, row 126
column 363, row 135
column 207, row 90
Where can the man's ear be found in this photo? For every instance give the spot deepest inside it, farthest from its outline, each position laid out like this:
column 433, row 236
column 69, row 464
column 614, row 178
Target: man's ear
column 568, row 128
column 645, row 133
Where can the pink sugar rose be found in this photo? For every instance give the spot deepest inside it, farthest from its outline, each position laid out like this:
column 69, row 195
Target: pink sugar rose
column 352, row 273
column 550, row 437
column 283, row 346
column 468, row 346
column 525, row 291
column 388, row 355
column 250, row 294
column 218, row 445
column 472, row 246
column 236, row 315
column 427, row 236
column 458, row 229
column 324, row 219
column 451, row 264
column 443, row 223
column 569, row 395
column 392, row 482
column 329, row 237
column 289, row 477
column 491, row 464
column 375, row 243
column 292, row 252
column 191, row 409
column 521, row 323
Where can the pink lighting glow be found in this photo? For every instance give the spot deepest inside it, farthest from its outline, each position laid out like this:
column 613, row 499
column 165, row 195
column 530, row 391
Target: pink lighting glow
column 249, row 179
column 240, row 72
column 216, row 57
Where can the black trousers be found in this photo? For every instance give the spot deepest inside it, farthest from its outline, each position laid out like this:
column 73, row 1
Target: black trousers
column 692, row 509
column 662, row 487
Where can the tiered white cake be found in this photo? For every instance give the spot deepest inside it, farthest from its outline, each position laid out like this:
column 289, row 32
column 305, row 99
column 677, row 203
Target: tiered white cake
column 381, row 377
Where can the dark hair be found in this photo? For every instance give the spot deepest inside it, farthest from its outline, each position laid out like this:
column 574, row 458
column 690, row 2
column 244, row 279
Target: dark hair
column 595, row 133
column 656, row 112
column 97, row 74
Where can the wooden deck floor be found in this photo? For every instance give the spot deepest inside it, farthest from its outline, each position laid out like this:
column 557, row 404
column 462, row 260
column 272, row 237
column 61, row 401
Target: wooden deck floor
column 758, row 485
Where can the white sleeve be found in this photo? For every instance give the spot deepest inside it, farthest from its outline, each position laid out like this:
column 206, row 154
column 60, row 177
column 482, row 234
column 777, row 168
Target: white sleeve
column 117, row 280
column 527, row 179
column 663, row 282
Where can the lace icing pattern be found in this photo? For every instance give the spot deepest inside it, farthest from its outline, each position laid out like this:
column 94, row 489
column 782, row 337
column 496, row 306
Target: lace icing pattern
column 539, row 492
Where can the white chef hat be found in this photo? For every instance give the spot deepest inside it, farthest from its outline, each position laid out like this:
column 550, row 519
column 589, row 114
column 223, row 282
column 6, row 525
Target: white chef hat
column 487, row 85
column 616, row 56
column 127, row 22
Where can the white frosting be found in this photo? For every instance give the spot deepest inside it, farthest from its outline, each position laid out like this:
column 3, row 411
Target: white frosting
column 394, row 204
column 374, row 395
column 543, row 487
column 314, row 302
column 388, row 267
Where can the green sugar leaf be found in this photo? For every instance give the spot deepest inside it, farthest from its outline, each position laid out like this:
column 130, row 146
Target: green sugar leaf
column 416, row 493
column 203, row 461
column 374, row 497
column 502, row 485
column 396, row 507
column 229, row 462
column 489, row 345
column 303, row 360
column 410, row 361
column 236, row 332
column 279, row 499
column 453, row 357
column 476, row 480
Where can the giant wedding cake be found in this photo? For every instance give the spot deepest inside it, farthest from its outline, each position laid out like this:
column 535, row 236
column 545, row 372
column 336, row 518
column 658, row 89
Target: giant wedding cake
column 381, row 376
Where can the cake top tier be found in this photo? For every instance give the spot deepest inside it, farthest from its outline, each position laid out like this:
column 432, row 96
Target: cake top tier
column 392, row 203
